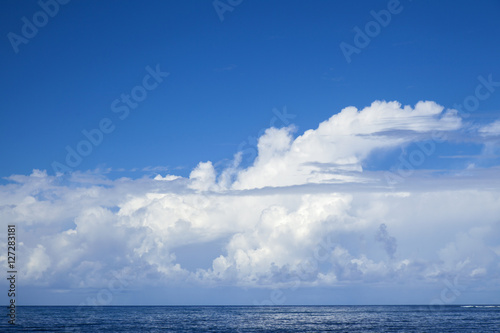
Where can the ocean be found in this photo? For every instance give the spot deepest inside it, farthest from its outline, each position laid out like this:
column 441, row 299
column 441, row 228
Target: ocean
column 408, row 318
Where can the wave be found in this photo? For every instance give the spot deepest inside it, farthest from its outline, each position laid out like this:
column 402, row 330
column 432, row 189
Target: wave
column 480, row 306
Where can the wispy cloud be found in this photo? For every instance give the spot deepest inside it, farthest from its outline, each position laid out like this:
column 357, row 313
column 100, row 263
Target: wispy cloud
column 225, row 68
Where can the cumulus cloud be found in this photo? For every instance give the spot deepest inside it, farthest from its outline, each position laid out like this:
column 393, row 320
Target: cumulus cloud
column 305, row 210
column 341, row 143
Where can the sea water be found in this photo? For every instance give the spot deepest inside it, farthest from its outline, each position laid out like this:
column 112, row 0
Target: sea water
column 413, row 318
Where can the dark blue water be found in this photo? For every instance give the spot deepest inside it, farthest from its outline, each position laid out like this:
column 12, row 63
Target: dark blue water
column 453, row 318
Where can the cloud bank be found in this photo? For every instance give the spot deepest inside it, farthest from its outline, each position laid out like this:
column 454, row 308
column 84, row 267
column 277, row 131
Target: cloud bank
column 304, row 209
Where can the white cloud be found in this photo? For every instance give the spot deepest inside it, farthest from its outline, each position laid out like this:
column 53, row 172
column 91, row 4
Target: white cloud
column 38, row 263
column 203, row 176
column 340, row 143
column 492, row 129
column 304, row 210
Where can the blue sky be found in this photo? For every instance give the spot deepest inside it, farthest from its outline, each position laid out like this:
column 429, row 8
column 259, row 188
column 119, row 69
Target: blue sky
column 427, row 89
column 226, row 77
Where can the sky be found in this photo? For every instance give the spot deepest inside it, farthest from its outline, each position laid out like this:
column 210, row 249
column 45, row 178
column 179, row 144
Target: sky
column 251, row 152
